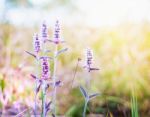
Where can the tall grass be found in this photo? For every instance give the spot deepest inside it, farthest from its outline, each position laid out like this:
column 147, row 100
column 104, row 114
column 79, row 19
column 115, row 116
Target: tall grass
column 134, row 105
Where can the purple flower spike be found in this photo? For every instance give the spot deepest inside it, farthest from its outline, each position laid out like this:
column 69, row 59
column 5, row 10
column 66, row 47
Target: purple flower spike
column 57, row 33
column 44, row 33
column 89, row 60
column 45, row 68
column 57, row 39
column 89, row 57
column 36, row 44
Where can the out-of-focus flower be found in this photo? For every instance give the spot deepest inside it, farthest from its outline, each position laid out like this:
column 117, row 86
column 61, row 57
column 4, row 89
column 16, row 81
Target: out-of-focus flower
column 44, row 32
column 45, row 68
column 36, row 44
column 57, row 39
column 57, row 33
column 89, row 57
column 89, row 60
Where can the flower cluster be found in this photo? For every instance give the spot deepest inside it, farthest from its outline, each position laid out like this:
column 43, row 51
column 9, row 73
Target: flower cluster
column 57, row 33
column 89, row 57
column 44, row 33
column 89, row 60
column 57, row 38
column 36, row 44
column 45, row 68
column 42, row 80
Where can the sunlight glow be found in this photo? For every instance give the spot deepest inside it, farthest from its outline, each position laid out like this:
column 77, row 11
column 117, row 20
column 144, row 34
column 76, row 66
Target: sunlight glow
column 112, row 12
column 94, row 13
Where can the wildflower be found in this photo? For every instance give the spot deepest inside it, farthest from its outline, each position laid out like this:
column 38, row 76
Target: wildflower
column 36, row 43
column 45, row 68
column 89, row 60
column 57, row 33
column 44, row 33
column 36, row 46
column 57, row 38
column 89, row 57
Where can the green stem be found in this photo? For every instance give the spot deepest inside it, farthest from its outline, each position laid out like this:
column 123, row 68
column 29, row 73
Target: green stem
column 43, row 90
column 43, row 99
column 85, row 106
column 88, row 81
column 35, row 104
column 35, row 95
column 54, row 80
column 134, row 105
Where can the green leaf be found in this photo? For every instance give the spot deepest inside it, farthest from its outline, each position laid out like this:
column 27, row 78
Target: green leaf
column 84, row 92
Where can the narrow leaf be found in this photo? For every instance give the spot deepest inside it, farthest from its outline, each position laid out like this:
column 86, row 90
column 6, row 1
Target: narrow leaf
column 48, row 105
column 83, row 91
column 33, row 76
column 94, row 69
column 47, row 110
column 61, row 51
column 46, row 57
column 58, row 83
column 93, row 95
column 31, row 54
column 47, row 86
column 38, row 88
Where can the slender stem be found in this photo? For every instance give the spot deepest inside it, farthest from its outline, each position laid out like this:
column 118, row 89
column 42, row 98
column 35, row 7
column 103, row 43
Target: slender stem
column 88, row 81
column 74, row 74
column 54, row 80
column 43, row 98
column 35, row 95
column 43, row 90
column 134, row 105
column 85, row 106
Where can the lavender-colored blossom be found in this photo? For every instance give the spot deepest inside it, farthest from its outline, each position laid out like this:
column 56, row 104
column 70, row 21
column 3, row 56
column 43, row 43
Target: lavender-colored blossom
column 57, row 33
column 44, row 33
column 89, row 60
column 36, row 44
column 89, row 57
column 45, row 68
column 57, row 37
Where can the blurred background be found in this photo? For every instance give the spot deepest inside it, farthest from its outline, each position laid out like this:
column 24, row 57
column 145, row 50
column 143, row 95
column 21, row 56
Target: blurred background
column 118, row 31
